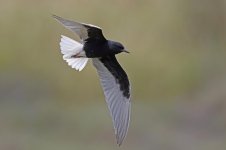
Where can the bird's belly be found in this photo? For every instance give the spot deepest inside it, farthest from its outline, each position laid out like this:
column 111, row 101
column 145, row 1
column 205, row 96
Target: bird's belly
column 94, row 51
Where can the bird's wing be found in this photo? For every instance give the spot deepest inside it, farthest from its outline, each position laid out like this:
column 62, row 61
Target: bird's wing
column 116, row 88
column 84, row 31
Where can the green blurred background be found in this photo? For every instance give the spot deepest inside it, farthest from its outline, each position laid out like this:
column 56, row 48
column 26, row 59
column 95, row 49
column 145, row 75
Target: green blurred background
column 177, row 68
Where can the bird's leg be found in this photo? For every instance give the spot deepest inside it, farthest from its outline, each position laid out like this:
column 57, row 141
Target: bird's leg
column 76, row 56
column 81, row 54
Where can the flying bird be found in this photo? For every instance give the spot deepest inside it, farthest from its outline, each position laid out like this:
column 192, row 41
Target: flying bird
column 113, row 78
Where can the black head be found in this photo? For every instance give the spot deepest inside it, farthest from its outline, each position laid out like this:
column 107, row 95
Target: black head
column 116, row 47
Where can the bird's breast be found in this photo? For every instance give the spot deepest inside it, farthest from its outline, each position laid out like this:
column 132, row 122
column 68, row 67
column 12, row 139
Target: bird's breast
column 96, row 49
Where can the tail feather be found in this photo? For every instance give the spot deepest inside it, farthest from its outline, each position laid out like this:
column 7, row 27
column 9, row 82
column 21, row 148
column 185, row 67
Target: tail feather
column 77, row 63
column 68, row 45
column 70, row 48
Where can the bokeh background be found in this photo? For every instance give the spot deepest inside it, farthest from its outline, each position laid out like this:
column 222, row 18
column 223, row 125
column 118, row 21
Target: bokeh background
column 177, row 68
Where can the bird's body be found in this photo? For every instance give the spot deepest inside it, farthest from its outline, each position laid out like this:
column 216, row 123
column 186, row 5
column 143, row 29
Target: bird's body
column 95, row 49
column 113, row 78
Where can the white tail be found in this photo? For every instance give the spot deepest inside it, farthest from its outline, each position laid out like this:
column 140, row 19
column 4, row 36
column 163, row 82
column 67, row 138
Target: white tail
column 70, row 48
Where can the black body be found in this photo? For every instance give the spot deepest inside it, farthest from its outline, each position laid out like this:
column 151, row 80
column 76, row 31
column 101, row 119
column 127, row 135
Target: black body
column 96, row 45
column 101, row 48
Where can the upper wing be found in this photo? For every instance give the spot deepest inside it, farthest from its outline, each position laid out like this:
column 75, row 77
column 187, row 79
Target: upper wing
column 84, row 31
column 116, row 88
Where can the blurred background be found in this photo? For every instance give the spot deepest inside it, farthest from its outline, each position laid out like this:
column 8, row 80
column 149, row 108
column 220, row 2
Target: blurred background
column 177, row 68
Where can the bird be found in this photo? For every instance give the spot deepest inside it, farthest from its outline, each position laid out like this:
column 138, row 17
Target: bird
column 114, row 80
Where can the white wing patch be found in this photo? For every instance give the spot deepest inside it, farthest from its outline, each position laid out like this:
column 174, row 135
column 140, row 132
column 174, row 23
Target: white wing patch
column 118, row 105
column 70, row 48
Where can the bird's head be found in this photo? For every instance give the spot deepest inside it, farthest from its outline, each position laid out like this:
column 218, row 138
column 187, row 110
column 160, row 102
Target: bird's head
column 117, row 47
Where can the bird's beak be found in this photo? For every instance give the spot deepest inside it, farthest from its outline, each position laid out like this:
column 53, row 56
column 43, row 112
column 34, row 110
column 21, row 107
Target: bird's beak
column 125, row 51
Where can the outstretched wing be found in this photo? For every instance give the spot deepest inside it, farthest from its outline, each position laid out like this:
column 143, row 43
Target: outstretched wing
column 116, row 88
column 84, row 31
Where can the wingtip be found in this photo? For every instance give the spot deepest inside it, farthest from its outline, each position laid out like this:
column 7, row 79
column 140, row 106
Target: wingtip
column 119, row 143
column 119, row 139
column 55, row 17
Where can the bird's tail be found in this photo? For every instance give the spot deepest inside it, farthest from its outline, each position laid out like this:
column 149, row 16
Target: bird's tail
column 73, row 53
